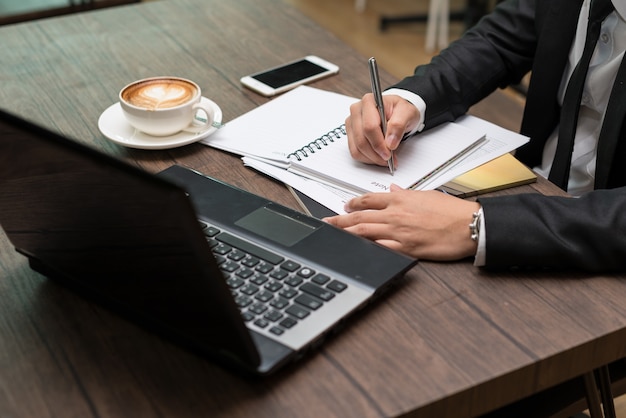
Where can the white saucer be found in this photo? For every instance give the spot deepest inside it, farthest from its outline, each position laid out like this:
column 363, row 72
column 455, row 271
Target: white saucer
column 114, row 126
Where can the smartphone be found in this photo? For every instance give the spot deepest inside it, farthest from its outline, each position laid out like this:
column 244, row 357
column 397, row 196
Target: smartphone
column 287, row 76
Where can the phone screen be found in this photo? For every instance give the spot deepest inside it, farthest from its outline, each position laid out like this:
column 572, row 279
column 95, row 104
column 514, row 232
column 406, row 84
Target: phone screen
column 290, row 73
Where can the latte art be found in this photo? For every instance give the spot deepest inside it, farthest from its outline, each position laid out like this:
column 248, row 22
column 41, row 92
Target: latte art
column 164, row 106
column 159, row 93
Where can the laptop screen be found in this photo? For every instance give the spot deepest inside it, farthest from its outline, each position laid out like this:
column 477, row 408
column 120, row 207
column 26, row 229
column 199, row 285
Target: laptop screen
column 115, row 233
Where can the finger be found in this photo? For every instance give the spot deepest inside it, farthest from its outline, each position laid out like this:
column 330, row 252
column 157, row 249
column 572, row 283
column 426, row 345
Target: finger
column 341, row 221
column 372, row 128
column 359, row 144
column 368, row 201
column 355, row 218
column 359, row 147
column 402, row 117
column 373, row 231
column 391, row 244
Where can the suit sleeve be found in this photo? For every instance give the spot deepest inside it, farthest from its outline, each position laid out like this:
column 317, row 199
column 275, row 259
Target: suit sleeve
column 496, row 52
column 532, row 230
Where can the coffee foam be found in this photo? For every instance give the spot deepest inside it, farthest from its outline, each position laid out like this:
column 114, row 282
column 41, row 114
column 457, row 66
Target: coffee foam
column 160, row 93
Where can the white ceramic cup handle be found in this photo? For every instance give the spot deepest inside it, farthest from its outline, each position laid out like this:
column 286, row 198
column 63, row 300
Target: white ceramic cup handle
column 198, row 125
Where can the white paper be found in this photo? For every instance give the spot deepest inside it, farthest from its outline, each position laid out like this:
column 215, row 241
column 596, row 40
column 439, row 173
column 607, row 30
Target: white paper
column 296, row 120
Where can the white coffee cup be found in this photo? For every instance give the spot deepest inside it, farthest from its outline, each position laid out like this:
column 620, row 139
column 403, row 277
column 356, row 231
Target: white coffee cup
column 163, row 106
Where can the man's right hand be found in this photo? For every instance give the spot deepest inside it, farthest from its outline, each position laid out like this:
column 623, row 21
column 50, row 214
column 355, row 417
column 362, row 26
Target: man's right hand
column 365, row 136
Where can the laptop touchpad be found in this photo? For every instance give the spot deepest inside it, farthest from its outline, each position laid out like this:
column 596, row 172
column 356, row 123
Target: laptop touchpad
column 278, row 226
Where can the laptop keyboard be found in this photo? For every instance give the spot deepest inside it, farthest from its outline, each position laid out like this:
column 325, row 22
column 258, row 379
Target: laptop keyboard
column 273, row 293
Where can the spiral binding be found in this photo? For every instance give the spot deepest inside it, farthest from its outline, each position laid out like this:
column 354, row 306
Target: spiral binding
column 323, row 140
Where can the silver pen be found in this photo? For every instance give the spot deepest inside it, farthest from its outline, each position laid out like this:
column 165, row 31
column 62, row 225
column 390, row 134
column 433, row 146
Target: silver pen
column 378, row 97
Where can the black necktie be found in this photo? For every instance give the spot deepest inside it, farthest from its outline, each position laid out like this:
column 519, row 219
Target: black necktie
column 559, row 173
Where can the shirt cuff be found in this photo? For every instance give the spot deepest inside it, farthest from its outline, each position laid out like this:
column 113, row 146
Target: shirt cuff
column 481, row 251
column 416, row 101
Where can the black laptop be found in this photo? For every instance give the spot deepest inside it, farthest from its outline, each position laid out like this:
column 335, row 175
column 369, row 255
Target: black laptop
column 219, row 270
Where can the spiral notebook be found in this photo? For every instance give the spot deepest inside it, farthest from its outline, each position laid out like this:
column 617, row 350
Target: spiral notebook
column 278, row 128
column 302, row 132
column 420, row 159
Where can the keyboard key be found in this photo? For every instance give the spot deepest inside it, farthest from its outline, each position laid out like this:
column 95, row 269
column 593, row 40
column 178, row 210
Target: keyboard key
column 337, row 286
column 264, row 267
column 249, row 289
column 247, row 316
column 244, row 273
column 209, row 231
column 229, row 266
column 279, row 303
column 288, row 322
column 258, row 308
column 294, row 281
column 279, row 274
column 250, row 261
column 273, row 316
column 264, row 296
column 297, row 311
column 273, row 286
column 261, row 323
column 243, row 301
column 290, row 266
column 309, row 302
column 276, row 331
column 288, row 293
column 306, row 272
column 236, row 255
column 234, row 282
column 317, row 291
column 320, row 278
column 259, row 280
column 222, row 249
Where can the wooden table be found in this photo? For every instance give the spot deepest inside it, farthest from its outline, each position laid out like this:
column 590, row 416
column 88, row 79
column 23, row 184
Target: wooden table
column 449, row 341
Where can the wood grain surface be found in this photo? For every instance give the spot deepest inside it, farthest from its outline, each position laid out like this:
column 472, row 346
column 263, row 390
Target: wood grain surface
column 450, row 340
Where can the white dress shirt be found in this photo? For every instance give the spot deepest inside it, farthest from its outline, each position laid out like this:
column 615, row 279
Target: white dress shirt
column 600, row 78
column 602, row 71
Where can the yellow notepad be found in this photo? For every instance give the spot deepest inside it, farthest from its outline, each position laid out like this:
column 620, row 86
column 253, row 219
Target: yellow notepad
column 501, row 173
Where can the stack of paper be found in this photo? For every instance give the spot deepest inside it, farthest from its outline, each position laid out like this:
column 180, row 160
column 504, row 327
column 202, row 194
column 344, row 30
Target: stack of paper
column 298, row 138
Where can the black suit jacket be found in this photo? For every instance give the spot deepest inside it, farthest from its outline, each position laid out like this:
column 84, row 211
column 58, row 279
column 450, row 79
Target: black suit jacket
column 530, row 230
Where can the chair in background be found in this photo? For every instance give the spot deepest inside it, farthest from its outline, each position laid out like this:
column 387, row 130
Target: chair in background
column 593, row 392
column 437, row 19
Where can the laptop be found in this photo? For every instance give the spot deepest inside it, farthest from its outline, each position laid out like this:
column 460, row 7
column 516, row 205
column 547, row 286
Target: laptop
column 231, row 275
